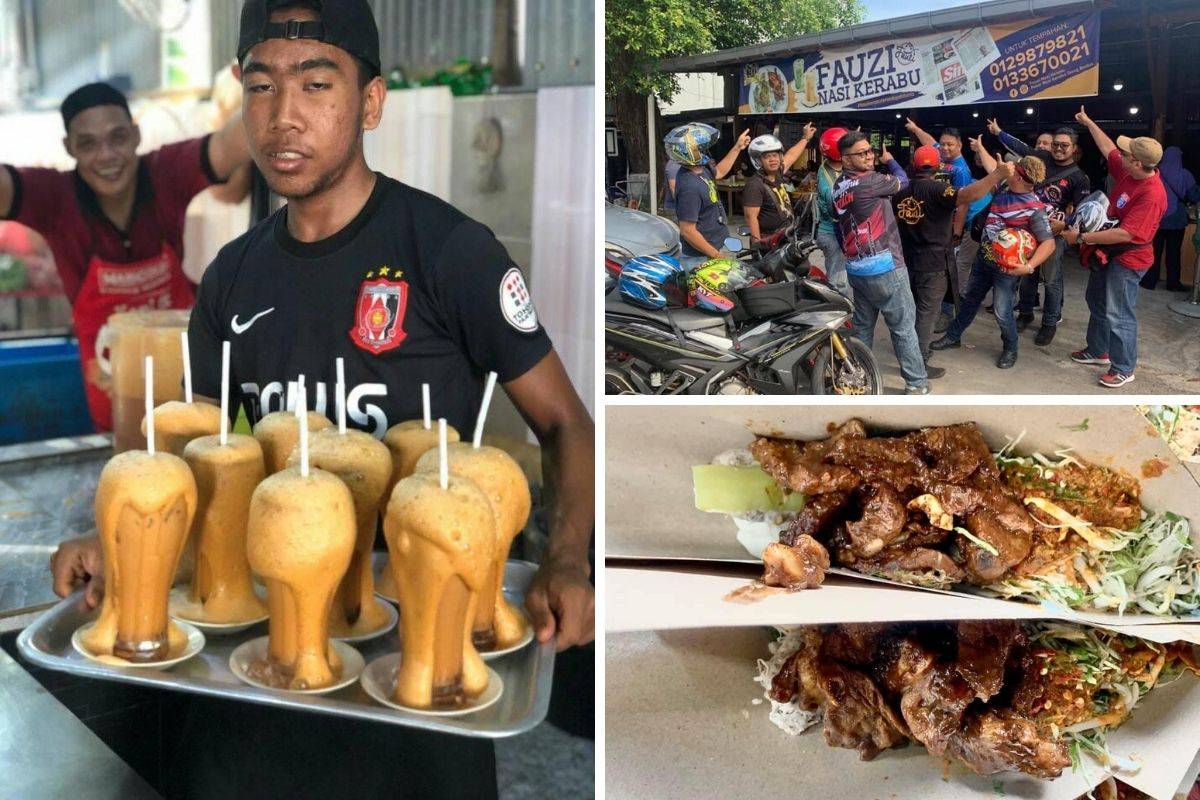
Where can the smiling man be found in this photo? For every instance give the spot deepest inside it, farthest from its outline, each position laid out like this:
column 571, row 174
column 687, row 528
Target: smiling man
column 115, row 223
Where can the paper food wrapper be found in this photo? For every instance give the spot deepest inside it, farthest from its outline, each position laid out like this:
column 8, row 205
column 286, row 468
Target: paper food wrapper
column 650, row 510
column 641, row 599
column 681, row 721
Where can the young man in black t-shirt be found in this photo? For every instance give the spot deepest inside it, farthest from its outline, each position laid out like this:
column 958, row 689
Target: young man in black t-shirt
column 408, row 291
column 925, row 216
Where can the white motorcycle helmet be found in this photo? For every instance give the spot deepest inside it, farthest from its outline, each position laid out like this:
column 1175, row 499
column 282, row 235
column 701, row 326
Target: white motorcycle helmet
column 1091, row 214
column 760, row 146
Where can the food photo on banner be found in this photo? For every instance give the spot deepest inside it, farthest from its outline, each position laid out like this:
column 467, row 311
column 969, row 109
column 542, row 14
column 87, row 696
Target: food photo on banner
column 297, row 452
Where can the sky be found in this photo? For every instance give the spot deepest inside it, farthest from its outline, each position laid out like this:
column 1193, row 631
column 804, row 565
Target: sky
column 889, row 9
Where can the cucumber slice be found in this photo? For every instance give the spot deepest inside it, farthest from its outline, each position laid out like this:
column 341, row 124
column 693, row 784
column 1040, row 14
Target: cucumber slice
column 737, row 489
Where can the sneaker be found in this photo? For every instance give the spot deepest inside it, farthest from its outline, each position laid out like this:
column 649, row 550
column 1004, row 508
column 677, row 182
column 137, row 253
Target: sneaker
column 944, row 343
column 1045, row 335
column 1007, row 359
column 1023, row 321
column 1084, row 357
column 1115, row 380
column 933, row 373
column 922, row 389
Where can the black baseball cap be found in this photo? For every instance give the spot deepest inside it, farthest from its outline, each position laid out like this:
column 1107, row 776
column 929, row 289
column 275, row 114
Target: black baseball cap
column 89, row 96
column 346, row 24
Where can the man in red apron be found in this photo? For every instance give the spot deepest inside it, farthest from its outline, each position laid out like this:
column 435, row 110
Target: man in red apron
column 115, row 223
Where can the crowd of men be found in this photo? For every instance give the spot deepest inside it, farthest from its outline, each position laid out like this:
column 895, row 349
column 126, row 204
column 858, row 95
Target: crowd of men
column 918, row 246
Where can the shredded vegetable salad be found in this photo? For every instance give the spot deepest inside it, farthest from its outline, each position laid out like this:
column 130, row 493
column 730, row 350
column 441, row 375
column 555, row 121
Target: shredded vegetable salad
column 1152, row 568
column 1107, row 674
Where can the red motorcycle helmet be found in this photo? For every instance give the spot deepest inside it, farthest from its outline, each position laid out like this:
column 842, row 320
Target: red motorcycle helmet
column 828, row 143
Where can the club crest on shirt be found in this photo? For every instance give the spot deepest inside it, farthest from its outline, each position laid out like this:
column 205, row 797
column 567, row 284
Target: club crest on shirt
column 379, row 313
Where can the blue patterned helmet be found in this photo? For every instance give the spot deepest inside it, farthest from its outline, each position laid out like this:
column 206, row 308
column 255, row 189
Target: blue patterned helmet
column 688, row 144
column 653, row 282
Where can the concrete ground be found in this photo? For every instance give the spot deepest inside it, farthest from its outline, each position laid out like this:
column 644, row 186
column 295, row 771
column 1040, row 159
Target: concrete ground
column 545, row 763
column 1168, row 349
column 1168, row 352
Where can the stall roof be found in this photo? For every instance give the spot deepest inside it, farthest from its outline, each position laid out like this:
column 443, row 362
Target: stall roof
column 912, row 25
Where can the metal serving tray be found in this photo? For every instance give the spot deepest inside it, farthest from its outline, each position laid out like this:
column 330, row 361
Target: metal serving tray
column 527, row 673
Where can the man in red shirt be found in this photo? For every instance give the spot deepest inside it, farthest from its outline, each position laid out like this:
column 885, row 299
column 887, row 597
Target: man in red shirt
column 115, row 223
column 1138, row 201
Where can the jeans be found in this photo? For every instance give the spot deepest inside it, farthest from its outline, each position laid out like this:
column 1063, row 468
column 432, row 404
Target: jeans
column 1112, row 327
column 835, row 261
column 928, row 289
column 984, row 276
column 964, row 257
column 890, row 295
column 1167, row 244
column 1052, row 274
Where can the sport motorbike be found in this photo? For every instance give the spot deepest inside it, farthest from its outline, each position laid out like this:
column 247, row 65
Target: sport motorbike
column 784, row 337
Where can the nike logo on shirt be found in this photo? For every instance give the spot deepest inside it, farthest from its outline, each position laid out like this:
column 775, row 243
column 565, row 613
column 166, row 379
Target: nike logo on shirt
column 245, row 326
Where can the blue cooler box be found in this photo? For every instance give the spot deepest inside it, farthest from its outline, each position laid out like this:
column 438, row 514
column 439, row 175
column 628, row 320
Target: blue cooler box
column 41, row 390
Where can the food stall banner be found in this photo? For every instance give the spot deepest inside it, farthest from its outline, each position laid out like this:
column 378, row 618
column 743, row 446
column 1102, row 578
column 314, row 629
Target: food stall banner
column 1030, row 59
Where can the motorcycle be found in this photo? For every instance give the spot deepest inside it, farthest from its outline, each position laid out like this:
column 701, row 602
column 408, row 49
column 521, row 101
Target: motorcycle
column 784, row 337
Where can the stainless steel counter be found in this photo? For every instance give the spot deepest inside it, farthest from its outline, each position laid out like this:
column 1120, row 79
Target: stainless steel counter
column 46, row 753
column 46, row 494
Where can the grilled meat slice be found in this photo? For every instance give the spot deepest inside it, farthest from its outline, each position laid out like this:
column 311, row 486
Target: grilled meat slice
column 797, row 678
column 993, row 741
column 801, row 566
column 798, row 466
column 1012, row 545
column 857, row 715
column 933, row 706
column 983, row 651
column 954, row 453
column 856, row 643
column 814, row 519
column 882, row 520
column 921, row 561
column 905, row 664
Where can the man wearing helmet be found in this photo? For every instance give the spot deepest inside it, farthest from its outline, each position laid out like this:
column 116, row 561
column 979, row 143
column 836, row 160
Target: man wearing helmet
column 1138, row 200
column 1015, row 207
column 827, row 175
column 698, row 208
column 766, row 203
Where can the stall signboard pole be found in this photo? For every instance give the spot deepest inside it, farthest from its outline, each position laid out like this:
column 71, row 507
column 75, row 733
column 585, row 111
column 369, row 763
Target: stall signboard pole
column 653, row 147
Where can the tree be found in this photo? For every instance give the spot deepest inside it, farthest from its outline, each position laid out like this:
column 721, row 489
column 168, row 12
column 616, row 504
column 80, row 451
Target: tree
column 641, row 33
